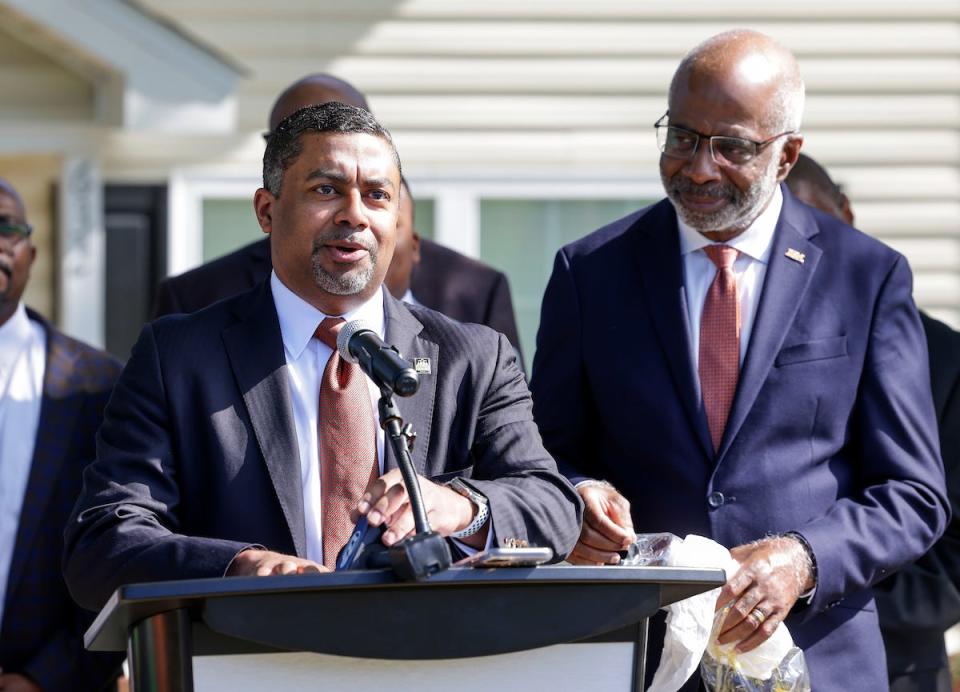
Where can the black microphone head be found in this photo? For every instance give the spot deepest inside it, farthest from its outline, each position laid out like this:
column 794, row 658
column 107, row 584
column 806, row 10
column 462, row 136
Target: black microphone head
column 346, row 333
column 407, row 382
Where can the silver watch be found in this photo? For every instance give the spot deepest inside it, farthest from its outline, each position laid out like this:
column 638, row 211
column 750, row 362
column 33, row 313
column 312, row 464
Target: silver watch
column 483, row 508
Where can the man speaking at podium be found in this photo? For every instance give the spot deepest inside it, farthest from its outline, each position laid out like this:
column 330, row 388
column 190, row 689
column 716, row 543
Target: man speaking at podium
column 238, row 442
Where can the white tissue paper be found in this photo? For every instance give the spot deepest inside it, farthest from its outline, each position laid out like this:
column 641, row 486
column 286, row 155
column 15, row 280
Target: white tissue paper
column 690, row 622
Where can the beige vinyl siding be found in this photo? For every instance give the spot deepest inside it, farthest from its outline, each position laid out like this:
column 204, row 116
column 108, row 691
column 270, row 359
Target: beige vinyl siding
column 542, row 90
column 37, row 89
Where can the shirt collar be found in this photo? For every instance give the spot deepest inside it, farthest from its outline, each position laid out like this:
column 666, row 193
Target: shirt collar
column 299, row 319
column 14, row 333
column 756, row 241
column 410, row 299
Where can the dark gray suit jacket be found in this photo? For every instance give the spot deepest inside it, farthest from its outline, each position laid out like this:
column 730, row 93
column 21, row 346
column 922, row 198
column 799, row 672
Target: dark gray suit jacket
column 921, row 601
column 197, row 457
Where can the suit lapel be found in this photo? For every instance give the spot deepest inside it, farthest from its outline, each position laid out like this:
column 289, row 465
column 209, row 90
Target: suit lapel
column 57, row 409
column 661, row 271
column 783, row 290
column 403, row 330
column 255, row 349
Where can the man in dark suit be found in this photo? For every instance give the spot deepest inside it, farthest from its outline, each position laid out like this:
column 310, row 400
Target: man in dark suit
column 52, row 393
column 922, row 600
column 216, row 455
column 442, row 279
column 742, row 367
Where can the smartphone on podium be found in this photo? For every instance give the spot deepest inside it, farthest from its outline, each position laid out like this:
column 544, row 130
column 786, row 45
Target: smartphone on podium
column 507, row 557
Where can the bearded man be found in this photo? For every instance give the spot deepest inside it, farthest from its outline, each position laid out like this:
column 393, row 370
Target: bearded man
column 734, row 364
column 238, row 442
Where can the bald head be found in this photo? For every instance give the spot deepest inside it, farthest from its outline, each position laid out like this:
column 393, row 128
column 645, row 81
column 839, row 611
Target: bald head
column 751, row 69
column 313, row 90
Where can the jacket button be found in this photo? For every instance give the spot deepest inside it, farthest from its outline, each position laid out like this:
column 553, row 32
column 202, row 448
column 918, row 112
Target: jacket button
column 716, row 499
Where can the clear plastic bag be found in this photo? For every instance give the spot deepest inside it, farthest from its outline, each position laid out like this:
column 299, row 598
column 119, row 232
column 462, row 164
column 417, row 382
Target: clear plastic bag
column 724, row 670
column 650, row 549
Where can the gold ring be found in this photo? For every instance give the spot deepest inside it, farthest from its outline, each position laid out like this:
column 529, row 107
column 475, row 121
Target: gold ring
column 758, row 615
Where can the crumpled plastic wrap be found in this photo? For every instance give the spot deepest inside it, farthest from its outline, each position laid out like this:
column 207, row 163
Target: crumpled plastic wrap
column 774, row 666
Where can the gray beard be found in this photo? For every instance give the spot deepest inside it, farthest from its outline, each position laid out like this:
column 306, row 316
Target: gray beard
column 742, row 209
column 352, row 281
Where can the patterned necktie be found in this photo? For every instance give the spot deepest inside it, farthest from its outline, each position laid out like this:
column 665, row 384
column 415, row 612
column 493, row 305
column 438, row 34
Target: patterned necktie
column 719, row 360
column 347, row 437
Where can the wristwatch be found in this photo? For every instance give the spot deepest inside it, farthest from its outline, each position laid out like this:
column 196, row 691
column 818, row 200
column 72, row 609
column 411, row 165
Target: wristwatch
column 483, row 509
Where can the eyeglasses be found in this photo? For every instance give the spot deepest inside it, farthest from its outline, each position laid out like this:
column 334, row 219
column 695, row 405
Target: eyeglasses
column 681, row 143
column 14, row 233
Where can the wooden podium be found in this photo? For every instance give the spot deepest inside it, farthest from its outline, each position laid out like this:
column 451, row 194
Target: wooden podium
column 462, row 613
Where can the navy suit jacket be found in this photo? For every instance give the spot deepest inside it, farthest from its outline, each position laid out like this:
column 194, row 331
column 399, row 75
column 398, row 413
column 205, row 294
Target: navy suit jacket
column 197, row 457
column 921, row 601
column 445, row 281
column 831, row 433
column 41, row 635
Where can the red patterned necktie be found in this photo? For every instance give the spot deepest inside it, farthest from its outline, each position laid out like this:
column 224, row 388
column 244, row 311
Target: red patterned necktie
column 719, row 361
column 347, row 437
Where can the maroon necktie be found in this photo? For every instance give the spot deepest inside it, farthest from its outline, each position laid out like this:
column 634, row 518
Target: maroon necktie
column 720, row 341
column 347, row 438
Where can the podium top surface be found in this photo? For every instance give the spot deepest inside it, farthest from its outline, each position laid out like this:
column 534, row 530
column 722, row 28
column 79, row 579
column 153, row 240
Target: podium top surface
column 227, row 605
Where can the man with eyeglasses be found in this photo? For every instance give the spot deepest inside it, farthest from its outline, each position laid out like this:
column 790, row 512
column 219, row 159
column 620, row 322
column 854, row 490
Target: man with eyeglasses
column 52, row 393
column 731, row 363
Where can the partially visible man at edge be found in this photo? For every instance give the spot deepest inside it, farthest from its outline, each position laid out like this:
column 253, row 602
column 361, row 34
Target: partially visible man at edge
column 445, row 280
column 920, row 601
column 52, row 393
column 732, row 364
column 257, row 456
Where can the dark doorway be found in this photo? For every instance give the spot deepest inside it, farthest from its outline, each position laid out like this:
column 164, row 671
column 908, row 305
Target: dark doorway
column 135, row 218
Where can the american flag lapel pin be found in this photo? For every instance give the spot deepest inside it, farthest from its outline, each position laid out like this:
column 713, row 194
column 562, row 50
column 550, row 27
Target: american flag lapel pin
column 795, row 255
column 422, row 366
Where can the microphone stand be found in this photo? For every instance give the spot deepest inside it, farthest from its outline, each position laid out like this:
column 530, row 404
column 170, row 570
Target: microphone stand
column 426, row 552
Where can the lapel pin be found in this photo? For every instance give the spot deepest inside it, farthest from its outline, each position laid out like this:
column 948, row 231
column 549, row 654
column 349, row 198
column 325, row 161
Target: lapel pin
column 795, row 255
column 422, row 366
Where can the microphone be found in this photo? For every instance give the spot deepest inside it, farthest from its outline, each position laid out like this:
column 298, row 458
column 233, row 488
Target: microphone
column 359, row 344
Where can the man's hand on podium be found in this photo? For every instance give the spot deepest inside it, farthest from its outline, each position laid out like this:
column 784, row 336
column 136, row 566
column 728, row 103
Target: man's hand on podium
column 607, row 525
column 386, row 502
column 263, row 563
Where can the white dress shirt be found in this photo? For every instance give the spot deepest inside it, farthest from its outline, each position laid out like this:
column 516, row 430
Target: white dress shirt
column 750, row 269
column 306, row 359
column 22, row 364
column 410, row 300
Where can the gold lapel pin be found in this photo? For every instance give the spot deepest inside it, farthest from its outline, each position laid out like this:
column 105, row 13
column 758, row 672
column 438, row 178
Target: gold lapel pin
column 422, row 366
column 795, row 255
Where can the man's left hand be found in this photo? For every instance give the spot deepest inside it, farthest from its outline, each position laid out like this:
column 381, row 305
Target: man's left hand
column 773, row 573
column 386, row 502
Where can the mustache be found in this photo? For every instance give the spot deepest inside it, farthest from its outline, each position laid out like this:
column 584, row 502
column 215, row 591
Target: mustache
column 717, row 190
column 354, row 237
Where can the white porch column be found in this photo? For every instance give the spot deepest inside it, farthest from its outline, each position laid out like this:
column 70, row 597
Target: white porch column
column 82, row 250
column 457, row 220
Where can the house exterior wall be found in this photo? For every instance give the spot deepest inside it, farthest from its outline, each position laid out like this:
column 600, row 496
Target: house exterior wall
column 559, row 90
